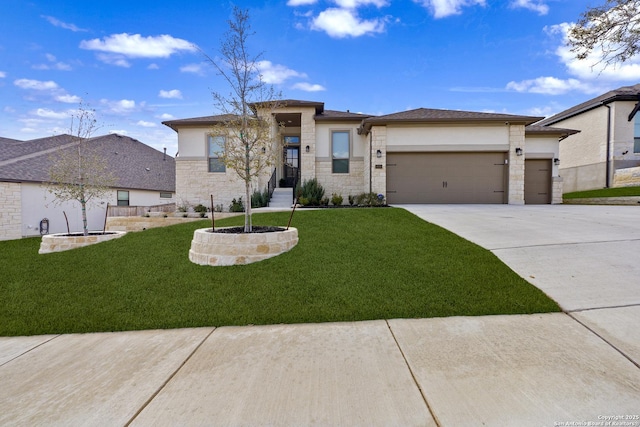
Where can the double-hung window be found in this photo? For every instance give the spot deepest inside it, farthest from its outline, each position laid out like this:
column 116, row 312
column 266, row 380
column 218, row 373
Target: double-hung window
column 123, row 198
column 340, row 149
column 636, row 133
column 215, row 147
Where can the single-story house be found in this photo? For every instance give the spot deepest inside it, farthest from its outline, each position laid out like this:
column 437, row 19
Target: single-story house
column 145, row 177
column 417, row 156
column 606, row 153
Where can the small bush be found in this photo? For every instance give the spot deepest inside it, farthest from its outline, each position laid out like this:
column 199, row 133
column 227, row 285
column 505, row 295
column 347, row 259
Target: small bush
column 352, row 200
column 236, row 205
column 312, row 191
column 219, row 208
column 370, row 199
column 336, row 199
column 303, row 201
column 200, row 208
column 324, row 201
column 260, row 199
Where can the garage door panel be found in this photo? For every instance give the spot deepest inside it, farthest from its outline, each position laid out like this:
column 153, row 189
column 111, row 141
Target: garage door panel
column 446, row 177
column 537, row 181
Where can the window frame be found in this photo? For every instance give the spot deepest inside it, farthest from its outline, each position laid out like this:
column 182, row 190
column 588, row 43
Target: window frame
column 212, row 156
column 122, row 201
column 166, row 195
column 335, row 170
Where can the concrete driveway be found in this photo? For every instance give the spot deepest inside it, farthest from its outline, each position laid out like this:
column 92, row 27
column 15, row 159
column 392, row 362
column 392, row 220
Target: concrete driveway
column 587, row 258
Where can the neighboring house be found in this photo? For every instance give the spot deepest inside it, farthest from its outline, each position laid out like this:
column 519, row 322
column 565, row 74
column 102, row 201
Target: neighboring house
column 416, row 156
column 606, row 152
column 145, row 177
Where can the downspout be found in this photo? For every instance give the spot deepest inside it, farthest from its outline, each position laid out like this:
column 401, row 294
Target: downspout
column 608, row 179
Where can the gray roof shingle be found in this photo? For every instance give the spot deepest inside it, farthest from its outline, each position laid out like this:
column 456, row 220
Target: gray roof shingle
column 625, row 93
column 136, row 165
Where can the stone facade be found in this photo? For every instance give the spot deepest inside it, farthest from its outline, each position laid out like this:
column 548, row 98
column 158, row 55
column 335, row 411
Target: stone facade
column 10, row 211
column 628, row 177
column 378, row 170
column 516, row 165
column 62, row 242
column 556, row 190
column 345, row 184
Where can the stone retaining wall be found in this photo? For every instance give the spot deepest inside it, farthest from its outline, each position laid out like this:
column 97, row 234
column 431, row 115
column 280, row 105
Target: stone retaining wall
column 635, row 201
column 61, row 242
column 157, row 219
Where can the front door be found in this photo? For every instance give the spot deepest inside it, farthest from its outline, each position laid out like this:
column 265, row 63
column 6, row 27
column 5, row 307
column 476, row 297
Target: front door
column 291, row 158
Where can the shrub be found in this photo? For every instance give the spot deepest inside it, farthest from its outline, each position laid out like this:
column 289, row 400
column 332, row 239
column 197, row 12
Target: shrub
column 336, row 199
column 260, row 199
column 370, row 199
column 352, row 200
column 219, row 208
column 236, row 205
column 324, row 201
column 312, row 191
column 200, row 208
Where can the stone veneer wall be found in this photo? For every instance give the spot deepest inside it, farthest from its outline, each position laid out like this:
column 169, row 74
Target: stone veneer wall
column 308, row 137
column 10, row 211
column 378, row 176
column 629, row 177
column 516, row 165
column 556, row 190
column 341, row 183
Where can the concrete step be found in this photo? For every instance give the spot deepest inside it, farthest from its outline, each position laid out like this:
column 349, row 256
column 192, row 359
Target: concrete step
column 281, row 198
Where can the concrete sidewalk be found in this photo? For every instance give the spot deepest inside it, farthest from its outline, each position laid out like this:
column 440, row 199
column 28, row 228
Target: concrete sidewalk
column 553, row 369
column 525, row 370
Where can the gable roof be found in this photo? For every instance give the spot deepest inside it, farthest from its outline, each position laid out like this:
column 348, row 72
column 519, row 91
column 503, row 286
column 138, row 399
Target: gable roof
column 135, row 165
column 430, row 115
column 199, row 121
column 561, row 133
column 625, row 93
column 347, row 116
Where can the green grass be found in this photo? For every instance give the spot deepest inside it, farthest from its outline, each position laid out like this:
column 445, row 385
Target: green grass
column 350, row 264
column 604, row 192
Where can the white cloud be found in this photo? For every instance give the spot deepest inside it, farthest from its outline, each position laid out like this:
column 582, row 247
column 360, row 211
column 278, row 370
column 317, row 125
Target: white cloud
column 50, row 114
column 552, row 86
column 68, row 99
column 119, row 132
column 146, row 124
column 153, row 67
column 35, row 84
column 275, row 74
column 340, row 23
column 538, row 6
column 193, row 68
column 308, row 87
column 353, row 4
column 114, row 59
column 57, row 23
column 444, row 8
column 174, row 93
column 136, row 46
column 54, row 64
column 123, row 106
column 301, row 2
column 166, row 116
column 3, row 74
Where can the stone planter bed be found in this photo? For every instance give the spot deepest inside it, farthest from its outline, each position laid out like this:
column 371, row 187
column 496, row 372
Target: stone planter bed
column 63, row 241
column 226, row 246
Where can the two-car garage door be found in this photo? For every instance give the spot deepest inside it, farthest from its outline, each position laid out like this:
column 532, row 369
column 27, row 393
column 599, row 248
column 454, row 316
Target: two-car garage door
column 446, row 177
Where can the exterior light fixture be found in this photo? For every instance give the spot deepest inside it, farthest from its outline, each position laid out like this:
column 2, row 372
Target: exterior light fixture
column 378, row 154
column 556, row 161
column 518, row 151
column 306, row 149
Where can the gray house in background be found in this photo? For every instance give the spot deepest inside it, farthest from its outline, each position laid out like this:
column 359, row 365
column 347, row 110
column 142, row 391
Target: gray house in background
column 606, row 152
column 145, row 177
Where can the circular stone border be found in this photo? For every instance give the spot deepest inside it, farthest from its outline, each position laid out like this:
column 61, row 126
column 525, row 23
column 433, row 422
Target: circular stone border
column 217, row 249
column 59, row 242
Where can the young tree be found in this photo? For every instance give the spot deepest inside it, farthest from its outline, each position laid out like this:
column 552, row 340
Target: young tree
column 611, row 31
column 251, row 147
column 78, row 172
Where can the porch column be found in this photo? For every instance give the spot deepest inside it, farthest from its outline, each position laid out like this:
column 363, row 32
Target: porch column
column 516, row 165
column 308, row 138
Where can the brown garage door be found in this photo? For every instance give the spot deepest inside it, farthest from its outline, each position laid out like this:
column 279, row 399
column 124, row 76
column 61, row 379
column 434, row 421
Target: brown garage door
column 446, row 177
column 537, row 181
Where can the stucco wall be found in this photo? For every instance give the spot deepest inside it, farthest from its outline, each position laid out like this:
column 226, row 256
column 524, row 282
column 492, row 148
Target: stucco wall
column 455, row 137
column 547, row 147
column 10, row 206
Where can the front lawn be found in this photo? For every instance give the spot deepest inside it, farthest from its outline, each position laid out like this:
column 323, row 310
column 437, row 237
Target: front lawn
column 604, row 192
column 350, row 264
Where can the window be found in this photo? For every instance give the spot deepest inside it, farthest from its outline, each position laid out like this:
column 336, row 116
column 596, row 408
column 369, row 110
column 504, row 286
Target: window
column 636, row 133
column 340, row 151
column 123, row 198
column 215, row 147
column 165, row 195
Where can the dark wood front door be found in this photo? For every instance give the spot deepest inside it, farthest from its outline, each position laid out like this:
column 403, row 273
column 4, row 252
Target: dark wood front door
column 291, row 158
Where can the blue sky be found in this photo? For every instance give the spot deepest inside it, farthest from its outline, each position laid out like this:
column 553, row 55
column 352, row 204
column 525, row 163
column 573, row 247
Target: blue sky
column 138, row 62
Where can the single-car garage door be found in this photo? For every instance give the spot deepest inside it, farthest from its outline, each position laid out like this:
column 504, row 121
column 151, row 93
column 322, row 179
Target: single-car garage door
column 537, row 181
column 446, row 177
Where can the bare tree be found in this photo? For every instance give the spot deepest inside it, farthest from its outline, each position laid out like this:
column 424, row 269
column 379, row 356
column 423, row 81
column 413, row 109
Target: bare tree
column 79, row 173
column 611, row 31
column 250, row 146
